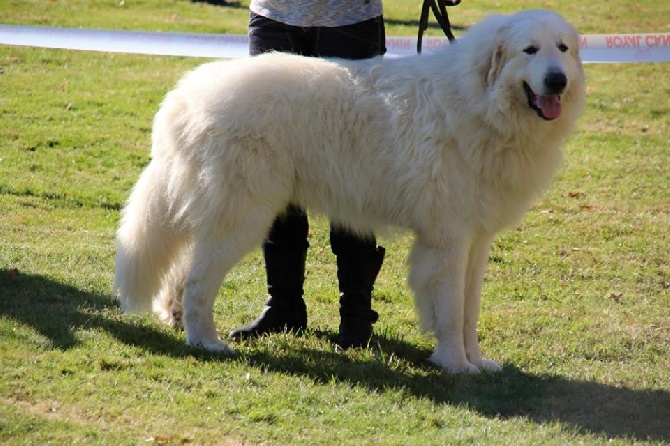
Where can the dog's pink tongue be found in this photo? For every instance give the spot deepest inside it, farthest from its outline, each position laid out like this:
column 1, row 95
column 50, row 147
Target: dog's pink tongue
column 550, row 106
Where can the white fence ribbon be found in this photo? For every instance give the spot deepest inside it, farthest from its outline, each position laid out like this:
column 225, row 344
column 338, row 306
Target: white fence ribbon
column 595, row 48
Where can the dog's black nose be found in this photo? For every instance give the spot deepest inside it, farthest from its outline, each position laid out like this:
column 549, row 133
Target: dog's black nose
column 555, row 81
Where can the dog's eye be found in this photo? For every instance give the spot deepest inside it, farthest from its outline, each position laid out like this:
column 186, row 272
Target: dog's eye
column 532, row 49
column 562, row 47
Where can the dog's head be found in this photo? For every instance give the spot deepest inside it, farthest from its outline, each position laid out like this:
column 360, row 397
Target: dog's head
column 535, row 64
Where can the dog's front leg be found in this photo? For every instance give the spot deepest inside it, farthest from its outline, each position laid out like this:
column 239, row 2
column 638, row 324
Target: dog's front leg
column 437, row 277
column 478, row 258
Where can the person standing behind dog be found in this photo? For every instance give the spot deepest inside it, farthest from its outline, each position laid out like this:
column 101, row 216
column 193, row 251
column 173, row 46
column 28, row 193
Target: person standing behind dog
column 349, row 29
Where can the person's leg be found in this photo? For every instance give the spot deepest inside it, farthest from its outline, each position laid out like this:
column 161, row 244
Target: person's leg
column 358, row 41
column 285, row 247
column 267, row 35
column 359, row 259
column 284, row 251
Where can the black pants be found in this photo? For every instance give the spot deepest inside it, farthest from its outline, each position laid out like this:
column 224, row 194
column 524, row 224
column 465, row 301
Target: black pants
column 358, row 41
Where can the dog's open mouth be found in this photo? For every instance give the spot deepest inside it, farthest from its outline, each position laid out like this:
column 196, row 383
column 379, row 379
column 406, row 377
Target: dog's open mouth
column 547, row 107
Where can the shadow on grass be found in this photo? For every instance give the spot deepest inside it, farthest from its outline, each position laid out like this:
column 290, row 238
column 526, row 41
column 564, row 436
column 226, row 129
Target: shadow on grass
column 57, row 311
column 589, row 407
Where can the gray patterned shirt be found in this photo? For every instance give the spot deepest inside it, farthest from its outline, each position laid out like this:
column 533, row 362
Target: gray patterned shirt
column 309, row 13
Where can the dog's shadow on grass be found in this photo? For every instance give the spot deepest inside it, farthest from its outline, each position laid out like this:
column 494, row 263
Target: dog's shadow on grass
column 57, row 312
column 588, row 407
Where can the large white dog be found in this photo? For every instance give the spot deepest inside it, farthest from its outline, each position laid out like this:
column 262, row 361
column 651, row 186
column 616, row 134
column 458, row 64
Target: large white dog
column 452, row 145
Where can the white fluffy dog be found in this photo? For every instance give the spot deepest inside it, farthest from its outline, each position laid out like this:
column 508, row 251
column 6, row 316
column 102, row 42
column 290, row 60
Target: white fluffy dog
column 452, row 145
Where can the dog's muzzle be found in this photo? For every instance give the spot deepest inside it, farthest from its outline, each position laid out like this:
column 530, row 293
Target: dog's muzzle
column 548, row 104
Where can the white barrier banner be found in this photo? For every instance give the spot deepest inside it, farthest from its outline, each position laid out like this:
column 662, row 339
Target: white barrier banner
column 596, row 48
column 135, row 42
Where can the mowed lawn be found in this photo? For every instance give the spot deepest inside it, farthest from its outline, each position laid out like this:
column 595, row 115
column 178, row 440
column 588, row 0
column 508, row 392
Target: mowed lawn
column 576, row 301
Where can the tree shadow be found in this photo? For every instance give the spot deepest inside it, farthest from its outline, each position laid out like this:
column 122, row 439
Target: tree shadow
column 57, row 311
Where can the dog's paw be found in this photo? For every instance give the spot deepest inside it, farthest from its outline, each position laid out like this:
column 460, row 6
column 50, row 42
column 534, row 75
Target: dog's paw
column 217, row 346
column 491, row 366
column 172, row 319
column 454, row 367
column 176, row 320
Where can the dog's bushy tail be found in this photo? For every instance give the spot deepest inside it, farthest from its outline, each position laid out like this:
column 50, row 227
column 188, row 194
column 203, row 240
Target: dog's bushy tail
column 148, row 241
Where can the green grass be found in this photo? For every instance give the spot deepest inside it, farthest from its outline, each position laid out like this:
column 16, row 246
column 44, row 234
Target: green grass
column 575, row 301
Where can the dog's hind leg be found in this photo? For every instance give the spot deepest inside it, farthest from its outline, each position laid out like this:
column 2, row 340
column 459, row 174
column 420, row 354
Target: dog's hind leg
column 168, row 303
column 437, row 277
column 213, row 256
column 478, row 258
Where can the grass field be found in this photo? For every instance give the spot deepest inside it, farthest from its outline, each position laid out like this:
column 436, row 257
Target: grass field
column 575, row 303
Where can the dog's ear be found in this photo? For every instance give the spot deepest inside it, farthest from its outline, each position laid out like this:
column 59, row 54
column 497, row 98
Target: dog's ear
column 492, row 65
column 496, row 63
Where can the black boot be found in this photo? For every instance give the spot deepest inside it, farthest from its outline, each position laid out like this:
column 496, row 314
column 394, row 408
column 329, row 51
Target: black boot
column 285, row 251
column 357, row 274
column 277, row 316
